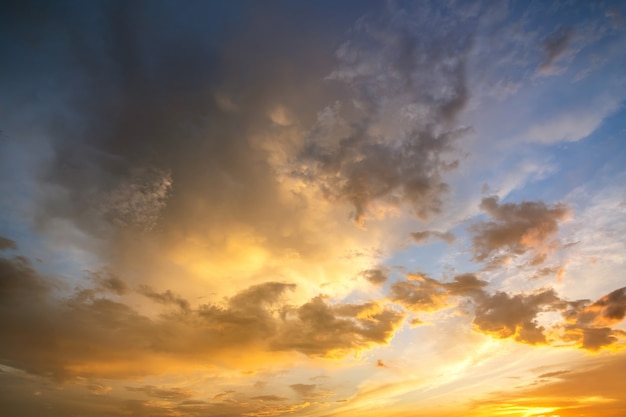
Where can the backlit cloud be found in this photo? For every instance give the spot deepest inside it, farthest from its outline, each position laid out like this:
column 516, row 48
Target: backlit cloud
column 516, row 229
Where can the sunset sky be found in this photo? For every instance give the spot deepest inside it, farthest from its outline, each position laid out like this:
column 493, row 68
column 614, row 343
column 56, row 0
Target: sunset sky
column 312, row 208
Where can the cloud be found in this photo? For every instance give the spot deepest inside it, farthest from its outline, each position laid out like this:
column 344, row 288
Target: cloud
column 391, row 139
column 319, row 329
column 108, row 281
column 466, row 285
column 573, row 125
column 420, row 293
column 163, row 393
column 89, row 335
column 555, row 46
column 6, row 243
column 425, row 235
column 268, row 398
column 588, row 323
column 375, row 276
column 515, row 230
column 166, row 297
column 570, row 393
column 303, row 390
column 606, row 311
column 504, row 316
column 310, row 391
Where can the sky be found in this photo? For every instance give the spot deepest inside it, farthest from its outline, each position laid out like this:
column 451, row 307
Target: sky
column 313, row 208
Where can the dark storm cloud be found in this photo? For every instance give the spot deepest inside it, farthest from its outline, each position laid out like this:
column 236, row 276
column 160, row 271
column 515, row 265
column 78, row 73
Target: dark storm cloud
column 516, row 229
column 139, row 142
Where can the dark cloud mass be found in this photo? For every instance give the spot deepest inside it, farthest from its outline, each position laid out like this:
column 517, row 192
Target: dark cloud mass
column 388, row 144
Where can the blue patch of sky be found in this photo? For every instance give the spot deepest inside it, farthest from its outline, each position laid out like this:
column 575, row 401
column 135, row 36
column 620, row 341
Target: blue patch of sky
column 594, row 162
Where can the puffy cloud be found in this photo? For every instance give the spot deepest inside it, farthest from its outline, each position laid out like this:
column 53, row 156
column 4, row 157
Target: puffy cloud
column 588, row 323
column 420, row 293
column 516, row 229
column 607, row 310
column 514, row 316
column 466, row 285
column 375, row 276
column 89, row 335
column 319, row 329
column 504, row 315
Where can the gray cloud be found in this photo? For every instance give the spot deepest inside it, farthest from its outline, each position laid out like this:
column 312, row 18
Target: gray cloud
column 503, row 315
column 6, row 243
column 588, row 323
column 516, row 229
column 167, row 297
column 375, row 276
column 108, row 281
column 319, row 329
column 387, row 144
column 554, row 46
column 419, row 294
column 424, row 236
